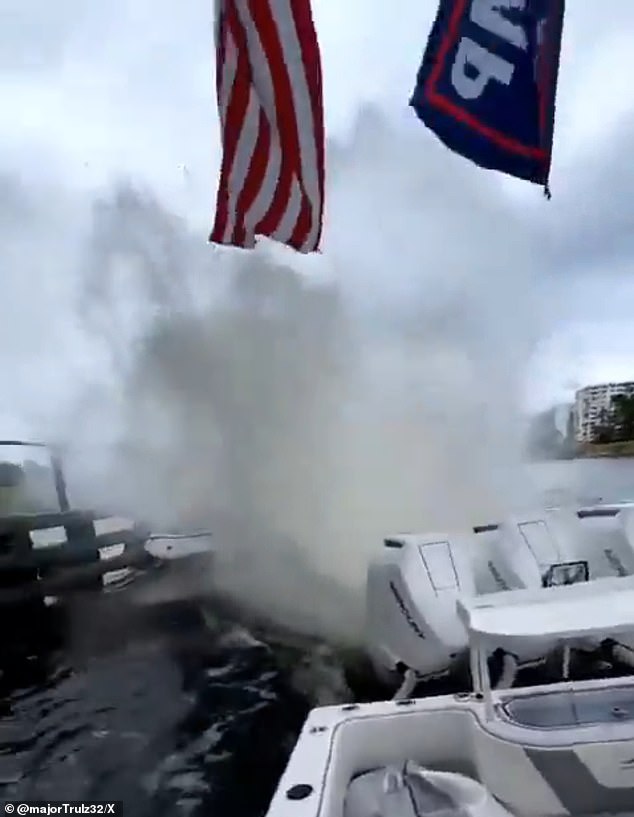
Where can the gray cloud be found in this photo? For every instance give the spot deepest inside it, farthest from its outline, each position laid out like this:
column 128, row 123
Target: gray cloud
column 593, row 223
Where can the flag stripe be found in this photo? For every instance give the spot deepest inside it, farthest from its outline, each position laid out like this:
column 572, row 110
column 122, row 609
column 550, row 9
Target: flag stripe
column 303, row 226
column 245, row 148
column 312, row 62
column 264, row 213
column 235, row 89
column 277, row 219
column 244, row 234
column 301, row 98
column 243, row 139
column 269, row 184
column 277, row 195
column 261, row 70
column 269, row 89
column 289, row 214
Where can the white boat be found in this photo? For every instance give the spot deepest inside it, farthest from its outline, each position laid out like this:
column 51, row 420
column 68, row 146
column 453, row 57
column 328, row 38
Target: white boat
column 560, row 749
column 413, row 629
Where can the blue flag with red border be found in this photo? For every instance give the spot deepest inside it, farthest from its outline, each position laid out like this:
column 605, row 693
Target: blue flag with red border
column 488, row 81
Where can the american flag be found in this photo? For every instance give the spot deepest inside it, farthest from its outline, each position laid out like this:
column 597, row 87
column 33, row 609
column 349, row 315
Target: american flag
column 269, row 89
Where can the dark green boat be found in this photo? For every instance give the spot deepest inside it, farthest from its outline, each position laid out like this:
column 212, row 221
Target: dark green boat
column 49, row 549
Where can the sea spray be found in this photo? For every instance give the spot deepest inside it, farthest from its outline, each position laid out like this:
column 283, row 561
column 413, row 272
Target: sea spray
column 303, row 418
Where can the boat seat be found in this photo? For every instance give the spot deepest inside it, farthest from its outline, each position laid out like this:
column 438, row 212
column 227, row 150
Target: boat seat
column 556, row 710
column 399, row 792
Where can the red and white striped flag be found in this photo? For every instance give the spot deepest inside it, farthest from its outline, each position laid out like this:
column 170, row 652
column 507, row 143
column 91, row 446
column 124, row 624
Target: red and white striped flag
column 269, row 88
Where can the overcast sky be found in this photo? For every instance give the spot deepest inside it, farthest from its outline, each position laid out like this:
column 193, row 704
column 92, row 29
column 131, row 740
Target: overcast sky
column 95, row 90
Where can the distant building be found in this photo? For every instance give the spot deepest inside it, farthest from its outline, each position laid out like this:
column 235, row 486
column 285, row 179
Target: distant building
column 593, row 405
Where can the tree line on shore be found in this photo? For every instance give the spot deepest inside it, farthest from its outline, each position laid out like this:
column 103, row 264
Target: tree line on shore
column 549, row 439
column 616, row 423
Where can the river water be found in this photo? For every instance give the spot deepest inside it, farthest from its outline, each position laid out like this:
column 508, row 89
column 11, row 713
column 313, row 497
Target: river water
column 149, row 708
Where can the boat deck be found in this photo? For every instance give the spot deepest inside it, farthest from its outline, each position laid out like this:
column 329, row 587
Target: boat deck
column 555, row 710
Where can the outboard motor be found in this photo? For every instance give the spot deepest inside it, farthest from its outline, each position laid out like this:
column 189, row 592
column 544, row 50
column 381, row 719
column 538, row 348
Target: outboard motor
column 540, row 550
column 619, row 552
column 529, row 548
column 411, row 594
column 599, row 538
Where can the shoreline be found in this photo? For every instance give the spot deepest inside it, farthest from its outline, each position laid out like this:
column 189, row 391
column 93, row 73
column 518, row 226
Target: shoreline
column 620, row 450
column 591, row 451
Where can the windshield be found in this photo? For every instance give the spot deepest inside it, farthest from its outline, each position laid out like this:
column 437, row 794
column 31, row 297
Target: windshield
column 27, row 479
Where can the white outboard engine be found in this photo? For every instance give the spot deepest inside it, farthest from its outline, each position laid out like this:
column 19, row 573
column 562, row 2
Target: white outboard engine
column 618, row 551
column 529, row 547
column 411, row 603
column 532, row 546
column 617, row 554
column 533, row 551
column 520, row 552
column 600, row 539
column 412, row 623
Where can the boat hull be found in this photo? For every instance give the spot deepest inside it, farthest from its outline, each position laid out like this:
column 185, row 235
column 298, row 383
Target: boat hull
column 573, row 765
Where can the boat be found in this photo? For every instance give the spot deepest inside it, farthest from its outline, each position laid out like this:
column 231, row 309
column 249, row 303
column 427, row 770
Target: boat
column 50, row 550
column 413, row 632
column 561, row 748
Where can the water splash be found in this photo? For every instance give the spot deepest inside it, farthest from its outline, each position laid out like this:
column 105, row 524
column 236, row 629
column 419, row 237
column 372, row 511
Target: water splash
column 304, row 416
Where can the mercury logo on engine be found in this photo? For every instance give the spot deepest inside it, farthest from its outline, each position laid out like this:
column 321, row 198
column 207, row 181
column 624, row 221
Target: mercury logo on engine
column 474, row 65
column 406, row 613
column 497, row 577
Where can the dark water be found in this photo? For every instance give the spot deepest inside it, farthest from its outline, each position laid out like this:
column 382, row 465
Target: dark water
column 142, row 706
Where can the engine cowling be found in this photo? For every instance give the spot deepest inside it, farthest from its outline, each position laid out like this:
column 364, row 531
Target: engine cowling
column 411, row 603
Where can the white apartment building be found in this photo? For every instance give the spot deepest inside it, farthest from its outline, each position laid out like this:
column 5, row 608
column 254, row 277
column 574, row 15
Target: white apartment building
column 591, row 404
